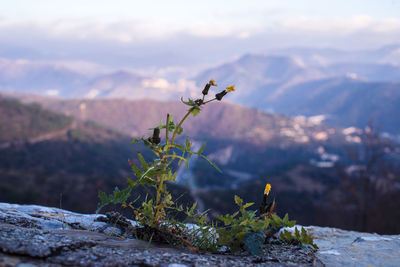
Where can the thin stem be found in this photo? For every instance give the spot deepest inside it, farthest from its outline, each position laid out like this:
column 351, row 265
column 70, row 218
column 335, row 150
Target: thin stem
column 180, row 124
column 167, row 130
column 160, row 184
column 209, row 101
column 158, row 198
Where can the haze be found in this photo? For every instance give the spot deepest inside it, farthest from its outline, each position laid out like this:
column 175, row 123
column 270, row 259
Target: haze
column 144, row 35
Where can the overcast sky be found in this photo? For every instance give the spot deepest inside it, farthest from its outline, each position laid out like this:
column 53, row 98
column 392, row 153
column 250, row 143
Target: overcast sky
column 177, row 32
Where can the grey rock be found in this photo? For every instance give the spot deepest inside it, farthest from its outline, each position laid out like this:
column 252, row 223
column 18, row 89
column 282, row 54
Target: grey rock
column 33, row 235
column 349, row 248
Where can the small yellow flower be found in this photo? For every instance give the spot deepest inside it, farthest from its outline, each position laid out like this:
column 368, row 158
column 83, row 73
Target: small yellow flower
column 230, row 88
column 267, row 189
column 212, row 82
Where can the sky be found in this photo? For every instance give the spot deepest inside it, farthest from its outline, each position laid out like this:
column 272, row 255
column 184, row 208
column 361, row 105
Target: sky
column 131, row 33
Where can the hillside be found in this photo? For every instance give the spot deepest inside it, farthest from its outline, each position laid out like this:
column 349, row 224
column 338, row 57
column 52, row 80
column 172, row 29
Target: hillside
column 345, row 101
column 306, row 162
column 222, row 121
column 61, row 160
column 21, row 122
column 347, row 92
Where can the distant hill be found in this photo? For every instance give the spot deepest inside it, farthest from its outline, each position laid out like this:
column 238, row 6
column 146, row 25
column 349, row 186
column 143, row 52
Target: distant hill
column 349, row 93
column 345, row 101
column 217, row 120
column 21, row 122
column 39, row 77
column 232, row 133
column 41, row 139
column 84, row 80
column 61, row 160
column 265, row 81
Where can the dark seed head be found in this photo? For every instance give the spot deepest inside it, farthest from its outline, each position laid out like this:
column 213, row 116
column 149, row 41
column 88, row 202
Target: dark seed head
column 206, row 88
column 220, row 95
column 155, row 139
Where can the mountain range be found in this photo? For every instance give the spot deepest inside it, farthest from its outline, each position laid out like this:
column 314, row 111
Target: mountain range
column 349, row 89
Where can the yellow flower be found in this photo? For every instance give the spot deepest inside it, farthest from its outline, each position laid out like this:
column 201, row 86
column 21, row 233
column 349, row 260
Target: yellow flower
column 212, row 82
column 230, row 88
column 267, row 189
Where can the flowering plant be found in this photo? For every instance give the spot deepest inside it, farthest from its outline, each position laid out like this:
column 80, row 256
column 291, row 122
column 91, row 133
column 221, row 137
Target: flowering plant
column 246, row 230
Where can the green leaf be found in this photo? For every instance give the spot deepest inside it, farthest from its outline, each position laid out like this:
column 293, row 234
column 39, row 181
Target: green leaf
column 145, row 166
column 296, row 233
column 248, row 205
column 190, row 102
column 103, row 196
column 253, row 242
column 179, row 130
column 224, row 238
column 146, row 142
column 240, row 236
column 174, row 156
column 238, row 201
column 201, row 149
column 188, row 145
column 195, row 111
column 136, row 170
column 212, row 163
column 131, row 183
column 286, row 219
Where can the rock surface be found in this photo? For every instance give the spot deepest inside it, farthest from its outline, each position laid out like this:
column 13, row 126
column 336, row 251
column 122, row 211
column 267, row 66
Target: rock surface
column 33, row 235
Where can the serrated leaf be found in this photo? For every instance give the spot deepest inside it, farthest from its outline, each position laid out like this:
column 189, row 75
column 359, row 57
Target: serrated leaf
column 130, row 182
column 136, row 170
column 145, row 166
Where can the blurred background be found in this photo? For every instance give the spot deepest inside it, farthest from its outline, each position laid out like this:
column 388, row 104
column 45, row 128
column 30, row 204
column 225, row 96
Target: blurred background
column 315, row 111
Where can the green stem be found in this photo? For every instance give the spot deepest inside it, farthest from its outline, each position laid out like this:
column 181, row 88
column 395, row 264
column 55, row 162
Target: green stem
column 179, row 125
column 209, row 101
column 166, row 130
column 158, row 198
column 160, row 184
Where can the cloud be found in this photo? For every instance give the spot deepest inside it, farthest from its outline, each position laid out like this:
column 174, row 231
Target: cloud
column 337, row 26
column 146, row 42
column 144, row 30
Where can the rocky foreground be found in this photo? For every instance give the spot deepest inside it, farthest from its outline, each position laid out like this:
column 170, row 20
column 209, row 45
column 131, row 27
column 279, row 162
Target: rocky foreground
column 33, row 235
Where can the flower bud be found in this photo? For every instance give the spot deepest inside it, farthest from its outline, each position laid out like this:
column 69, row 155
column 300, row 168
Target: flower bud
column 220, row 95
column 206, row 88
column 155, row 139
